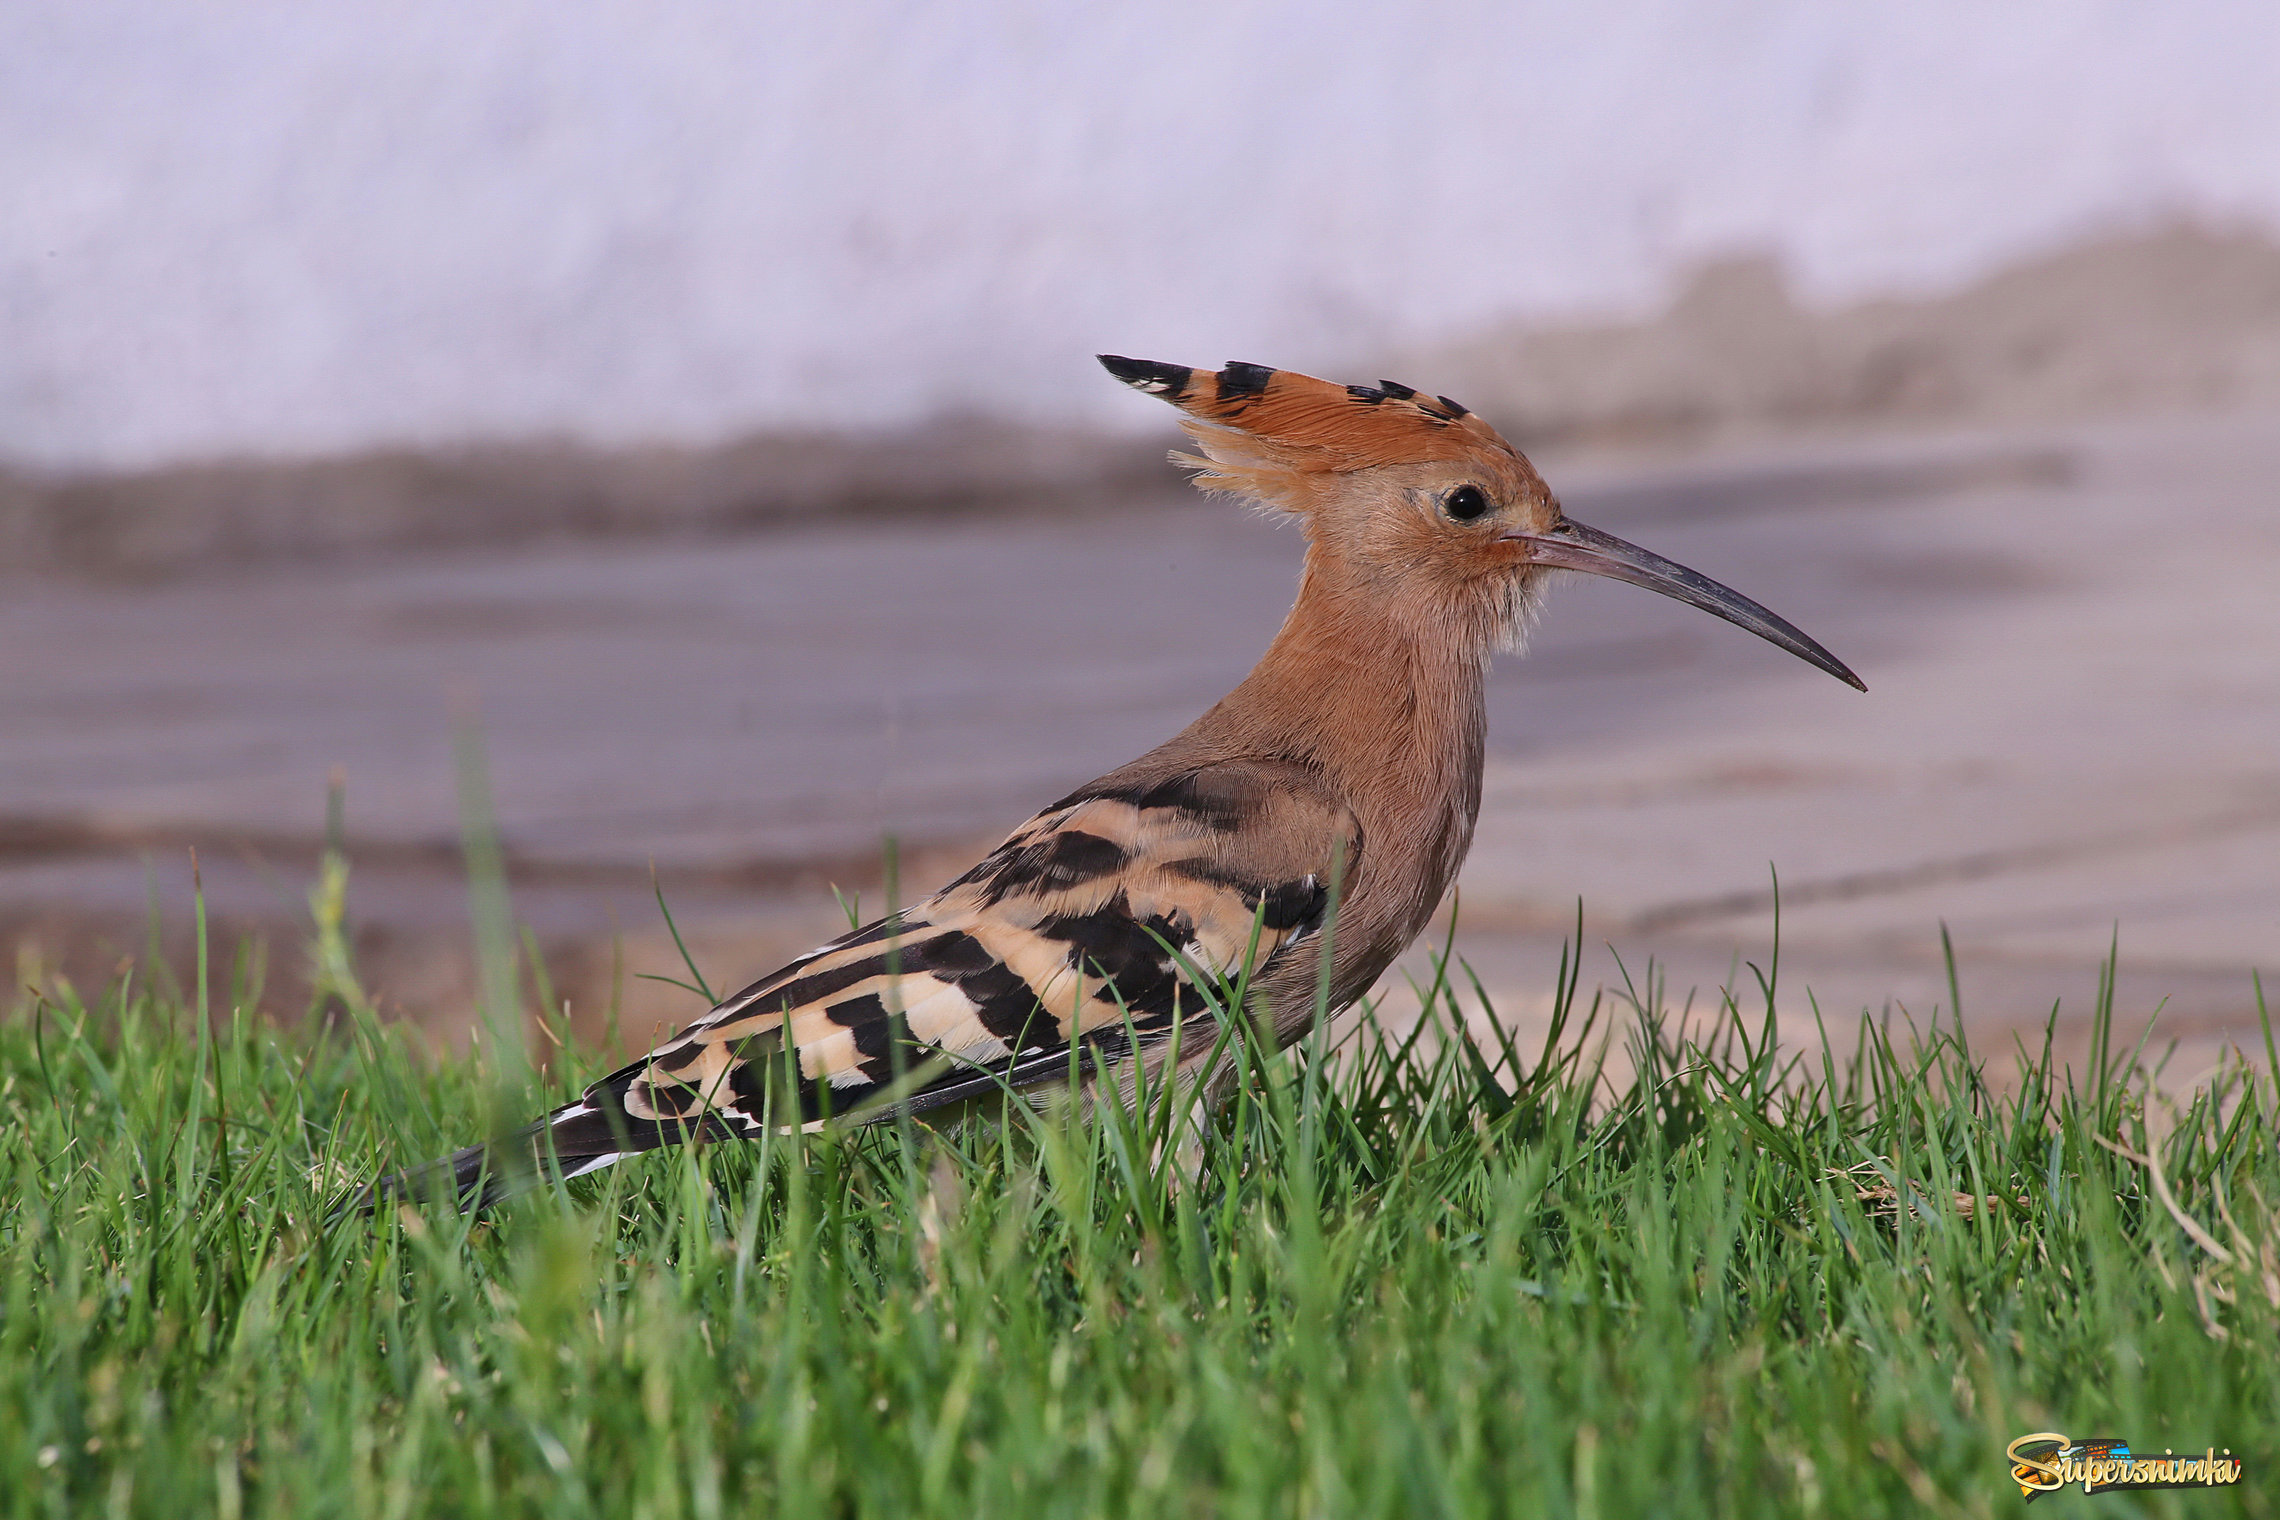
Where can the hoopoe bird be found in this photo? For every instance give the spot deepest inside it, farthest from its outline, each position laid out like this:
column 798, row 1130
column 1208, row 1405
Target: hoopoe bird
column 1336, row 785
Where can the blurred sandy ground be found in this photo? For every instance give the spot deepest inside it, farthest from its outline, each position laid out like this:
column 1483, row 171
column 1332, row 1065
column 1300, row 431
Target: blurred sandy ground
column 295, row 463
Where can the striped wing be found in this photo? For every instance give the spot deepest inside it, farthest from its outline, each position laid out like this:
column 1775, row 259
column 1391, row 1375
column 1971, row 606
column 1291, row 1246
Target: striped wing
column 1081, row 929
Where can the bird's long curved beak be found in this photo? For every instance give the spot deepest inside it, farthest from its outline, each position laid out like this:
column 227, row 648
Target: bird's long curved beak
column 1572, row 546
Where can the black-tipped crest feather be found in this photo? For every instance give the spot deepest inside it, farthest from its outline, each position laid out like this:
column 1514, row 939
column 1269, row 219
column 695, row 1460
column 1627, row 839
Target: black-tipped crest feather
column 1167, row 380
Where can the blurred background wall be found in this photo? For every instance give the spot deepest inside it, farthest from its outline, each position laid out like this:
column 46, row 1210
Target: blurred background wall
column 273, row 228
column 662, row 375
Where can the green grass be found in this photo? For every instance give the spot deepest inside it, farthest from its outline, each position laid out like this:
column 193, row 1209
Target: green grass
column 1421, row 1279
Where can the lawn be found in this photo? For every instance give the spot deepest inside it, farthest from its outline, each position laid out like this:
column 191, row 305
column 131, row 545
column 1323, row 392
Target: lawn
column 1417, row 1277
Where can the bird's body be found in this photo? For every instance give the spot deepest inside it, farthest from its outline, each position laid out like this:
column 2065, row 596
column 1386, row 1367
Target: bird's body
column 1325, row 803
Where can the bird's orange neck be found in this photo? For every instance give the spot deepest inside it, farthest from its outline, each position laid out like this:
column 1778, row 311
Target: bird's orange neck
column 1394, row 718
column 1379, row 703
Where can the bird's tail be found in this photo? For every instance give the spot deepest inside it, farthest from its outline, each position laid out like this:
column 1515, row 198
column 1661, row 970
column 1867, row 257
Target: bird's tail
column 575, row 1140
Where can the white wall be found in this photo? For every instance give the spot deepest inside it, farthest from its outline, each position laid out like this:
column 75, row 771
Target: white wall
column 305, row 226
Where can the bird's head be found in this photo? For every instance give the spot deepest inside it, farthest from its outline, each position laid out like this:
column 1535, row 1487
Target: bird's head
column 1414, row 502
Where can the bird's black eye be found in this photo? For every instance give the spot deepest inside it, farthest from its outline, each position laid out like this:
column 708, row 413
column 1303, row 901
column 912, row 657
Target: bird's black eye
column 1465, row 503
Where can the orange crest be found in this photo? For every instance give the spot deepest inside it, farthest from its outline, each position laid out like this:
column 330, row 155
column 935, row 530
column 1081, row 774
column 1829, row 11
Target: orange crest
column 1265, row 432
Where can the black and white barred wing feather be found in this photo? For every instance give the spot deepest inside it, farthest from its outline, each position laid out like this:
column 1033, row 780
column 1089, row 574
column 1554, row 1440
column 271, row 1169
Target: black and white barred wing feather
column 1075, row 937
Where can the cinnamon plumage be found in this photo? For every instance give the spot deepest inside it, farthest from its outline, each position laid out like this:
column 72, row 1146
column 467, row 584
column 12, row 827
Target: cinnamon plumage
column 1341, row 776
